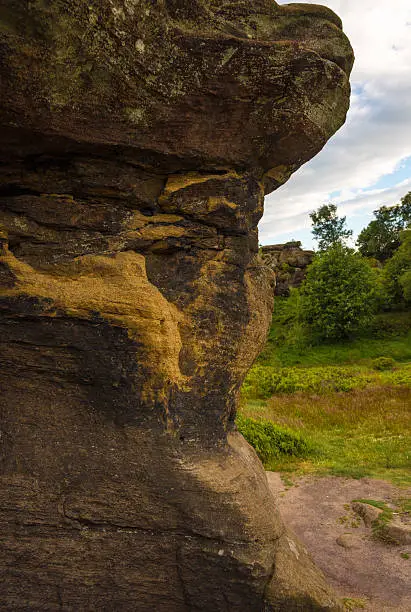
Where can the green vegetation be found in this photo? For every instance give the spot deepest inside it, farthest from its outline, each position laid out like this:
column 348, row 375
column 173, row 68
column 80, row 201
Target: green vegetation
column 349, row 401
column 262, row 382
column 270, row 441
column 383, row 363
column 372, row 502
column 381, row 238
column 335, row 374
column 339, row 294
column 358, row 433
column 328, row 228
column 397, row 272
column 379, row 525
column 355, row 603
column 289, row 344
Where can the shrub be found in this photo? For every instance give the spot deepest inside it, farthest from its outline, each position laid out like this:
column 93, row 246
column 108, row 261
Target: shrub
column 271, row 441
column 286, row 328
column 383, row 363
column 263, row 382
column 397, row 272
column 401, row 377
column 405, row 282
column 286, row 268
column 390, row 324
column 339, row 294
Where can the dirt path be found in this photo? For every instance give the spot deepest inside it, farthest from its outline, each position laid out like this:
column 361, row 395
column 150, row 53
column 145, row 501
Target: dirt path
column 317, row 510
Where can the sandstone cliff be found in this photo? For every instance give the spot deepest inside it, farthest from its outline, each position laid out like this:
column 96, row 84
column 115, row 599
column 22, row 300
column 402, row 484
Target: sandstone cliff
column 137, row 140
column 289, row 263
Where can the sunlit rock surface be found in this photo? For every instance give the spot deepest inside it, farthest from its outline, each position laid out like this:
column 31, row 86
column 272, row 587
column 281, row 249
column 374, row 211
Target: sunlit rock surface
column 137, row 141
column 289, row 262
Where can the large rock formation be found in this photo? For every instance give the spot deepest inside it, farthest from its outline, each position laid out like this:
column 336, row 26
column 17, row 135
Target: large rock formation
column 137, row 139
column 289, row 263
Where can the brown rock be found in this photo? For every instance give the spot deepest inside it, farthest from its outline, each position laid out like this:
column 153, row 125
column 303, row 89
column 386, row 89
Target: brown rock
column 368, row 513
column 348, row 541
column 397, row 532
column 289, row 263
column 138, row 139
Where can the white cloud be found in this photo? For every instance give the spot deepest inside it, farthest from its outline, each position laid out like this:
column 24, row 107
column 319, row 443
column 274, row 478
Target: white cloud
column 377, row 134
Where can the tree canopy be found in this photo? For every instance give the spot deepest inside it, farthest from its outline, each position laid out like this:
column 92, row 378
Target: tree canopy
column 397, row 271
column 328, row 229
column 381, row 238
column 339, row 293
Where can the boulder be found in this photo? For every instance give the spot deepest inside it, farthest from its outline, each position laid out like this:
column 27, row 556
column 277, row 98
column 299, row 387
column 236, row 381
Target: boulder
column 393, row 530
column 396, row 532
column 367, row 512
column 138, row 140
column 349, row 541
column 289, row 263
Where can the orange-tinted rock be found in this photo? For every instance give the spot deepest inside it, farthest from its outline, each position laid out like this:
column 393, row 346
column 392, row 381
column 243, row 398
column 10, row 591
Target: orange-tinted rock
column 138, row 138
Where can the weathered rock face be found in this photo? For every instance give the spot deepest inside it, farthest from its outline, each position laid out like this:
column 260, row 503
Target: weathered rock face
column 138, row 138
column 289, row 263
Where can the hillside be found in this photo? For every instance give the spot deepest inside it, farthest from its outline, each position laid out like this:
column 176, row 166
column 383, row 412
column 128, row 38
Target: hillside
column 349, row 401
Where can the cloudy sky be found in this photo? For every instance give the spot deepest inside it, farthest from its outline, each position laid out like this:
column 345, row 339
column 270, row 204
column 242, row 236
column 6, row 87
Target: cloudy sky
column 368, row 162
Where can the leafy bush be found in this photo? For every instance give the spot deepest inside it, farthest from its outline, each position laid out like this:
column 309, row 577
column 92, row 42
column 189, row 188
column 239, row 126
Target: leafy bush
column 401, row 377
column 263, row 382
column 389, row 324
column 383, row 363
column 397, row 272
column 286, row 328
column 286, row 268
column 271, row 440
column 405, row 282
column 339, row 294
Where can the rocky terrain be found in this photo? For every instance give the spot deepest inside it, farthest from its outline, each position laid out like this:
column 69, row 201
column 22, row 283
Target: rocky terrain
column 138, row 141
column 289, row 263
column 368, row 571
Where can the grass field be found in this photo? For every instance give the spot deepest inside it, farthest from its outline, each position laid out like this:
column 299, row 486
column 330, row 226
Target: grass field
column 287, row 346
column 351, row 408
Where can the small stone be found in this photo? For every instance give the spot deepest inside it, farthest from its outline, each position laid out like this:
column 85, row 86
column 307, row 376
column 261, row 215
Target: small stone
column 140, row 46
column 348, row 541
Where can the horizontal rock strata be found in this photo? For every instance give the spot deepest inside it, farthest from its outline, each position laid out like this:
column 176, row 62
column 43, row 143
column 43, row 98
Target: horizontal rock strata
column 138, row 140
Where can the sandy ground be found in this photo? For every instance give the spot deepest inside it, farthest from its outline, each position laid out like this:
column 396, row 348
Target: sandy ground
column 316, row 510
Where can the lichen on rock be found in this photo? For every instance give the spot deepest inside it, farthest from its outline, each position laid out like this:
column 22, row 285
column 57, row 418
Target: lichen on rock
column 138, row 140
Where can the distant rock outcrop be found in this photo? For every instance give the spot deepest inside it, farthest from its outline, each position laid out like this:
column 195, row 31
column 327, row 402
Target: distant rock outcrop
column 137, row 140
column 289, row 263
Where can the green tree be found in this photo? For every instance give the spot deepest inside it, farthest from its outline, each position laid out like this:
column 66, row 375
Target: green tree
column 328, row 228
column 405, row 282
column 339, row 294
column 381, row 238
column 397, row 272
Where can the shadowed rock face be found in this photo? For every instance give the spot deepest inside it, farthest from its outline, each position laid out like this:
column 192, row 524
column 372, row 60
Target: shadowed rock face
column 138, row 139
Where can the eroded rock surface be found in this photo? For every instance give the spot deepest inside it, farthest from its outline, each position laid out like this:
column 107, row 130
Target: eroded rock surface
column 289, row 263
column 137, row 141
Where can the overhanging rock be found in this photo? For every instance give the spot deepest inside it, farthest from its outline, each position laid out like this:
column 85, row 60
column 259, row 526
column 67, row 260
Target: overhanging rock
column 138, row 138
